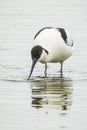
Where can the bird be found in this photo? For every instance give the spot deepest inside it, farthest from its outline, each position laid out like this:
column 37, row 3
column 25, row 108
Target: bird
column 51, row 45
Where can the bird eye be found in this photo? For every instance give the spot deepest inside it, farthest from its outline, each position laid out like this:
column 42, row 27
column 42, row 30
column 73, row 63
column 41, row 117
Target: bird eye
column 40, row 52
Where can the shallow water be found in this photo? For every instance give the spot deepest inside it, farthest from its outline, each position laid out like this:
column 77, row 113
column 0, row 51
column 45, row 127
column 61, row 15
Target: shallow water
column 42, row 103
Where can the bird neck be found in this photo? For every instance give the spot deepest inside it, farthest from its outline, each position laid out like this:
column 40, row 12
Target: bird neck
column 43, row 57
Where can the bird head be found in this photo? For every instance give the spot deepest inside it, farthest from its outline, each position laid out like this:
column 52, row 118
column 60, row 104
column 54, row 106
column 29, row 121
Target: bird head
column 36, row 52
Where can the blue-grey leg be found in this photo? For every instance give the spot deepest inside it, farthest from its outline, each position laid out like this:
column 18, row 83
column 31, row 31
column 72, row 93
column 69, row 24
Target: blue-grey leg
column 61, row 69
column 45, row 70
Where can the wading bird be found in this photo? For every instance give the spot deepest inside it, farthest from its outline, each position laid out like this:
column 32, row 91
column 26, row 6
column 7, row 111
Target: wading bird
column 51, row 45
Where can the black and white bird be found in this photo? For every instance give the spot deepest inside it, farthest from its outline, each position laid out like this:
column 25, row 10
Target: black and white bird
column 51, row 45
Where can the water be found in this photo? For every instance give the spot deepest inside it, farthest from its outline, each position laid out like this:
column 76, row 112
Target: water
column 42, row 103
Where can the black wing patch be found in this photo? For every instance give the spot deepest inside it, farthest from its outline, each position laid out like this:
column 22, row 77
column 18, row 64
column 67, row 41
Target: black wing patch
column 63, row 34
column 41, row 31
column 62, row 31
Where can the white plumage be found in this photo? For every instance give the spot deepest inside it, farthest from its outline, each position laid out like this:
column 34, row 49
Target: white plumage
column 56, row 44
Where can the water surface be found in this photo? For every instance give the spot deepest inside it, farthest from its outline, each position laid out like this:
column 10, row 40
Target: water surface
column 42, row 103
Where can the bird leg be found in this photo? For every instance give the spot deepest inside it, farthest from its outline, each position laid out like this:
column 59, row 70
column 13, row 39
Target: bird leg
column 45, row 70
column 61, row 69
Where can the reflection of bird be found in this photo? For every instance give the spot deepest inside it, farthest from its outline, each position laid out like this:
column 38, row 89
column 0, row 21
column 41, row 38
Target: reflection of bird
column 51, row 45
column 52, row 93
